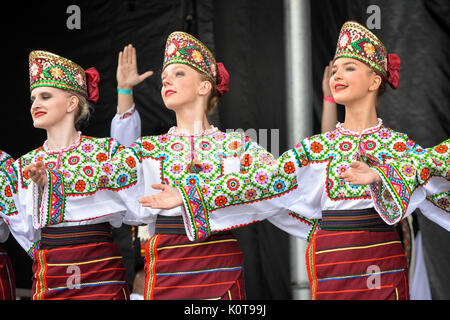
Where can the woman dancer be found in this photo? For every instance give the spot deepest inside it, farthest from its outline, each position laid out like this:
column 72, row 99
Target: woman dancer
column 7, row 279
column 355, row 252
column 192, row 152
column 73, row 251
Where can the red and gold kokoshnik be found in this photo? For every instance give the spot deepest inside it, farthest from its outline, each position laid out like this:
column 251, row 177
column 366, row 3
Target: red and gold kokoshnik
column 50, row 70
column 356, row 41
column 182, row 47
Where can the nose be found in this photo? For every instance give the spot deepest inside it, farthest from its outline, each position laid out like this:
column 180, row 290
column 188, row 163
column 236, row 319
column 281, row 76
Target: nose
column 337, row 74
column 167, row 81
column 35, row 105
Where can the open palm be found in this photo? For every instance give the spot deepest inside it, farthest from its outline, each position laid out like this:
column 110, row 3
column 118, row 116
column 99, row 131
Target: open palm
column 360, row 174
column 127, row 73
column 168, row 198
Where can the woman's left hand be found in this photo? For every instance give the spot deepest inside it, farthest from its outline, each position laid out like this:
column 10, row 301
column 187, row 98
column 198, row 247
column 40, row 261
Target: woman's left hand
column 360, row 174
column 37, row 173
column 169, row 198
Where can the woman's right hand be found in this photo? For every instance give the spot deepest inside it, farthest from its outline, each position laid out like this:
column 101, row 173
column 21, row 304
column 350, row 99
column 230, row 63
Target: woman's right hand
column 127, row 73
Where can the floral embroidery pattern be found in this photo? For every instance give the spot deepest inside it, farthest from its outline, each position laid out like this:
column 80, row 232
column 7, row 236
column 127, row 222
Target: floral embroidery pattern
column 8, row 182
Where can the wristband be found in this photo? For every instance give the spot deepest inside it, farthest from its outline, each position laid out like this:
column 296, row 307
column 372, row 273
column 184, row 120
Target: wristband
column 124, row 91
column 329, row 99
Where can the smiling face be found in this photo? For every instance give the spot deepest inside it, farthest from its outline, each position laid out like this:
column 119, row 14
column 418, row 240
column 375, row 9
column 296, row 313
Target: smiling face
column 182, row 85
column 352, row 80
column 50, row 106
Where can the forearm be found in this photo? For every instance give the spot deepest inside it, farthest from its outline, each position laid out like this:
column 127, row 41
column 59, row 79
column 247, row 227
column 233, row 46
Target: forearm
column 124, row 100
column 329, row 116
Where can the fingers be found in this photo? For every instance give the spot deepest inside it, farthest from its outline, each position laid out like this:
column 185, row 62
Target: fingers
column 120, row 59
column 355, row 165
column 150, row 202
column 130, row 54
column 158, row 186
column 37, row 173
column 145, row 75
column 344, row 176
column 145, row 199
column 133, row 59
column 126, row 56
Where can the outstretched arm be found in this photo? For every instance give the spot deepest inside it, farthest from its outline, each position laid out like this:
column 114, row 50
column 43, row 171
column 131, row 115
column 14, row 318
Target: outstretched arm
column 128, row 77
column 420, row 179
column 329, row 111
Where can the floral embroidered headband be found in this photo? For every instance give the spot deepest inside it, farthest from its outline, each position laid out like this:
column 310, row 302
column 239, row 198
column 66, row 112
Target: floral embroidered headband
column 357, row 42
column 50, row 70
column 182, row 47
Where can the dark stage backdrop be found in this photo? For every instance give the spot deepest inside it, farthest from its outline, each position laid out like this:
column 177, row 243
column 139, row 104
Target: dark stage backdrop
column 248, row 37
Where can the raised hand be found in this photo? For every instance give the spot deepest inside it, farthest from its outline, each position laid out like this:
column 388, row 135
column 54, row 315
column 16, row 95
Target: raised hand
column 168, row 198
column 326, row 80
column 127, row 73
column 37, row 173
column 360, row 174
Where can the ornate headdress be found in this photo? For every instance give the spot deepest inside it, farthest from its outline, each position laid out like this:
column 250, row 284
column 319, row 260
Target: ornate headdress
column 50, row 70
column 357, row 42
column 182, row 47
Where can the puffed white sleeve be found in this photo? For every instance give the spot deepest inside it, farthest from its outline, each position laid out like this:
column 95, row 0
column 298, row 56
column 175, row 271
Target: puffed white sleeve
column 418, row 180
column 126, row 127
column 16, row 212
column 268, row 188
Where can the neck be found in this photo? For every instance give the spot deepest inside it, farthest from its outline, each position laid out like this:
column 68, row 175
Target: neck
column 59, row 139
column 193, row 121
column 360, row 115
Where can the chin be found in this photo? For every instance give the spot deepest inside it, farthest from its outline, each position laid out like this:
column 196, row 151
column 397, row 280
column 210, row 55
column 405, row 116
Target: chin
column 344, row 98
column 39, row 124
column 340, row 99
column 172, row 106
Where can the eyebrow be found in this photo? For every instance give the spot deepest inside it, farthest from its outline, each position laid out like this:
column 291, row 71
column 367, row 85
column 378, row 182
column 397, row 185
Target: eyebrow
column 39, row 93
column 344, row 64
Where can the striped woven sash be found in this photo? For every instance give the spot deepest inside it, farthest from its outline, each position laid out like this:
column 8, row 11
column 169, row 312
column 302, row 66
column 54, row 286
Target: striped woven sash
column 169, row 225
column 353, row 220
column 55, row 237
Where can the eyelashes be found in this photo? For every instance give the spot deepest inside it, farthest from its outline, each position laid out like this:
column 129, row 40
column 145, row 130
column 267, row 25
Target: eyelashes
column 44, row 96
column 333, row 72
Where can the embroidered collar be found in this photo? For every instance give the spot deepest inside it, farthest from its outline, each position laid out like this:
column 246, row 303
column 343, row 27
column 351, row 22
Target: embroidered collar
column 65, row 149
column 174, row 131
column 357, row 134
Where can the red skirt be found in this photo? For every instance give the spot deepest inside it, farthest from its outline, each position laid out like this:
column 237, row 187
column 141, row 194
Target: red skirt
column 7, row 281
column 82, row 271
column 357, row 264
column 177, row 268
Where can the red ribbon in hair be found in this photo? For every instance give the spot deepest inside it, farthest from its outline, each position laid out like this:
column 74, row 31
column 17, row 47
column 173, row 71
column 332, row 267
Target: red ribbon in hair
column 393, row 67
column 92, row 80
column 223, row 79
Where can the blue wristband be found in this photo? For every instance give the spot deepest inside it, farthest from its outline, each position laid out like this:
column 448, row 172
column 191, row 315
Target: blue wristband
column 124, row 91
